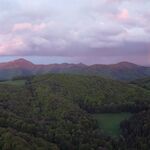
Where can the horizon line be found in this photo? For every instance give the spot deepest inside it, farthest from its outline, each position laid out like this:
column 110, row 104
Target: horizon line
column 106, row 64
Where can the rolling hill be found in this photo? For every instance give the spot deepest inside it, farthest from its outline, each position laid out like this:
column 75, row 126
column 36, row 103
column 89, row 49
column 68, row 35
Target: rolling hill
column 122, row 71
column 91, row 93
column 54, row 111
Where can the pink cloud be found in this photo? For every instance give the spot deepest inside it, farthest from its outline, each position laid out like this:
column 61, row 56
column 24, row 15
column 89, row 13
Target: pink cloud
column 39, row 27
column 8, row 47
column 22, row 26
column 29, row 26
column 112, row 1
column 123, row 15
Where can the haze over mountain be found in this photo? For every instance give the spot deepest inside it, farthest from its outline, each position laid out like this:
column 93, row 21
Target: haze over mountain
column 120, row 71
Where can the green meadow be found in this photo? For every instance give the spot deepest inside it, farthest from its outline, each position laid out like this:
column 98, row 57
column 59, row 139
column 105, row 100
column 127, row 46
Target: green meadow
column 14, row 82
column 110, row 122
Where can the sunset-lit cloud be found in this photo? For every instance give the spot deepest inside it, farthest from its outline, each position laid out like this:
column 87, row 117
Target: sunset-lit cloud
column 28, row 26
column 76, row 28
column 11, row 47
column 123, row 15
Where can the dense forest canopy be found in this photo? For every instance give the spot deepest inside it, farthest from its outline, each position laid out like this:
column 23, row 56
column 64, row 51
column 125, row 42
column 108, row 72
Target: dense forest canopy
column 52, row 112
column 144, row 83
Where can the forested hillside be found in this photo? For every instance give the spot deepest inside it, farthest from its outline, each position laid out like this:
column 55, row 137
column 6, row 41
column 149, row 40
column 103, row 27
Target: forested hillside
column 144, row 83
column 53, row 112
column 94, row 94
column 136, row 131
column 30, row 121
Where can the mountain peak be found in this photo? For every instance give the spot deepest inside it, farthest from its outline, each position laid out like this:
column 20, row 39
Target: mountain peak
column 19, row 63
column 125, row 64
column 22, row 60
column 122, row 70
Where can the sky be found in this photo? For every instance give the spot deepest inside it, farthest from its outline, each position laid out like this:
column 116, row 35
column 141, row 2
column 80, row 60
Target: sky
column 74, row 31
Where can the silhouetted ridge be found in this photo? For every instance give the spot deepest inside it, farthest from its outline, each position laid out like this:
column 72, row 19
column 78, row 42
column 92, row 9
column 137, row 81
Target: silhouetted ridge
column 125, row 65
column 121, row 71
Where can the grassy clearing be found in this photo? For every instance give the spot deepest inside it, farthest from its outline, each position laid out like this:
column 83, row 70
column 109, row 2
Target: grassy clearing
column 14, row 82
column 110, row 122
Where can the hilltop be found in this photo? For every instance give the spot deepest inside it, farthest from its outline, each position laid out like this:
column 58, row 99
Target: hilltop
column 121, row 71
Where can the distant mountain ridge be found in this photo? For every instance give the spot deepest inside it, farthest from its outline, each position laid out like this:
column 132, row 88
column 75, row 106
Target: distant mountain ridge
column 121, row 71
column 19, row 63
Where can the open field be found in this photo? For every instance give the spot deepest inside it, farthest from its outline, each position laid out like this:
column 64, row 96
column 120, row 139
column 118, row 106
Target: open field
column 14, row 82
column 110, row 122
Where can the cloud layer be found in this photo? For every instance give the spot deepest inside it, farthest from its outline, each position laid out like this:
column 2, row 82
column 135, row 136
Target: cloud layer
column 76, row 28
